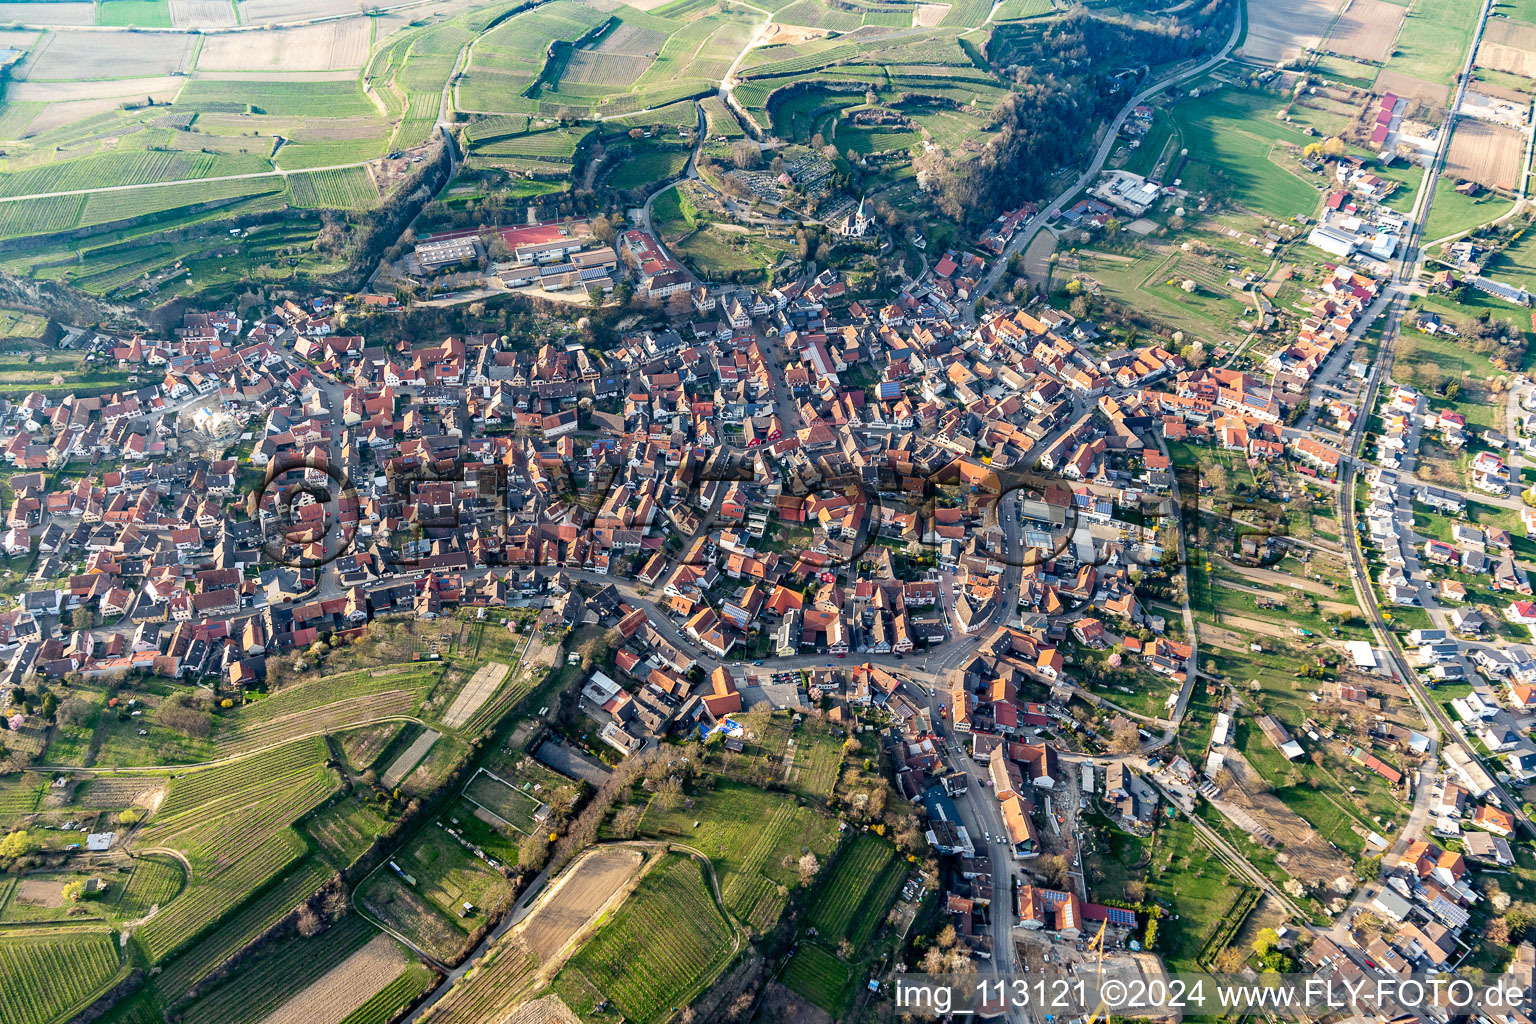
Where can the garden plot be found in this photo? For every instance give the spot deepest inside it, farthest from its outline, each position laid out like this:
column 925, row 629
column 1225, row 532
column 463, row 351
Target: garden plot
column 202, row 13
column 68, row 14
column 327, row 47
column 62, row 55
column 1366, row 30
column 475, row 693
column 1286, row 28
column 576, row 898
column 409, row 758
column 345, row 987
column 1488, row 154
column 1433, row 93
column 503, row 801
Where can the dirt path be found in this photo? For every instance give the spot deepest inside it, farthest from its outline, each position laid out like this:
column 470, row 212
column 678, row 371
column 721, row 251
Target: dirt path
column 1272, row 579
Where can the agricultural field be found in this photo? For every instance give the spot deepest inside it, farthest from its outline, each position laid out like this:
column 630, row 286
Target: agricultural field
column 48, row 974
column 263, row 987
column 666, row 942
column 748, row 834
column 345, row 829
column 852, row 900
column 425, row 907
column 327, row 704
column 264, row 909
column 1366, row 29
column 1433, row 40
column 1488, row 154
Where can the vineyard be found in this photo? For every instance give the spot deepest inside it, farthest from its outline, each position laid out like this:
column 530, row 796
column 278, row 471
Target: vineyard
column 748, row 834
column 155, row 882
column 492, row 987
column 204, row 902
column 347, row 188
column 819, row 976
column 853, row 898
column 278, row 973
column 385, row 1005
column 319, row 705
column 215, row 816
column 46, row 976
column 346, row 828
column 125, row 168
column 665, row 943
column 279, row 99
column 20, row 794
column 259, row 914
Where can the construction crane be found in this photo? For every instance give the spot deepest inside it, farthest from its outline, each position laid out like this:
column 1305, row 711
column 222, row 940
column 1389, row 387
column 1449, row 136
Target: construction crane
column 1100, row 1012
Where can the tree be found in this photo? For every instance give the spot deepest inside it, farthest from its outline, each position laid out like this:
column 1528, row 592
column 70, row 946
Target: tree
column 746, row 154
column 1497, row 931
column 1366, row 870
column 1126, row 738
column 1055, row 868
column 74, row 891
column 669, row 794
column 82, row 618
column 809, row 866
column 1230, row 960
column 17, row 844
column 946, row 937
column 1266, row 940
column 309, row 922
column 533, row 852
column 627, row 822
column 74, row 711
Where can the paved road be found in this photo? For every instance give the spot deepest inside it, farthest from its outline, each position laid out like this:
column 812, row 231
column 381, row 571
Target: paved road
column 1023, row 236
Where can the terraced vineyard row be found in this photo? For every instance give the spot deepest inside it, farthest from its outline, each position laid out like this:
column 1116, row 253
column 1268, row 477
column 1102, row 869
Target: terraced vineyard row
column 206, row 901
column 493, row 986
column 223, row 942
column 197, row 792
column 275, row 975
column 347, row 188
column 43, row 977
column 155, row 882
column 256, row 733
column 213, row 842
column 845, row 890
column 666, row 942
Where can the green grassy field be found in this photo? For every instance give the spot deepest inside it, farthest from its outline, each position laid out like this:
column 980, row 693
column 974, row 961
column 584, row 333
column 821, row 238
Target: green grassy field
column 1236, row 137
column 644, row 168
column 748, row 834
column 1433, row 41
column 1451, row 213
column 141, row 13
column 663, row 945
